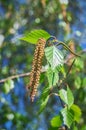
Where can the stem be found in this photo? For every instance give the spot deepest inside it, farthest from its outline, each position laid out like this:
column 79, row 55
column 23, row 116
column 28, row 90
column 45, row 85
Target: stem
column 62, row 43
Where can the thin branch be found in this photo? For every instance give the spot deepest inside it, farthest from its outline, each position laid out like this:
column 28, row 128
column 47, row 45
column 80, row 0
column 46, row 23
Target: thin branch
column 18, row 75
column 64, row 45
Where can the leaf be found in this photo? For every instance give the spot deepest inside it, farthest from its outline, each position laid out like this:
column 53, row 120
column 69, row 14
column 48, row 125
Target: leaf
column 56, row 121
column 52, row 76
column 53, row 56
column 70, row 97
column 43, row 98
column 68, row 116
column 63, row 95
column 77, row 112
column 67, row 96
column 45, row 93
column 34, row 35
column 43, row 104
column 8, row 85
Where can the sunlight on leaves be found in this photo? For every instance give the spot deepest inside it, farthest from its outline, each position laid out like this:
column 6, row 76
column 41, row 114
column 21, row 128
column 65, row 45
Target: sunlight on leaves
column 53, row 56
column 68, row 117
column 77, row 112
column 56, row 121
column 67, row 96
column 33, row 36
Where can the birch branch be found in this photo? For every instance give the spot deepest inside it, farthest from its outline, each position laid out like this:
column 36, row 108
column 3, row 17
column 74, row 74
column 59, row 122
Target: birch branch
column 28, row 73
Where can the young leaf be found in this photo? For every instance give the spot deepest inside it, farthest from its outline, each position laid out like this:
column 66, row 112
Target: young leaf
column 68, row 116
column 77, row 112
column 67, row 96
column 52, row 76
column 56, row 121
column 34, row 35
column 53, row 56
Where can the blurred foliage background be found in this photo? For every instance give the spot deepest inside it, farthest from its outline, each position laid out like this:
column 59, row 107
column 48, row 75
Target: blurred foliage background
column 62, row 18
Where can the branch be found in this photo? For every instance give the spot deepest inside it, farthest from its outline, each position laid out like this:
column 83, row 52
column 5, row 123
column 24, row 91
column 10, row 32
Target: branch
column 18, row 75
column 28, row 73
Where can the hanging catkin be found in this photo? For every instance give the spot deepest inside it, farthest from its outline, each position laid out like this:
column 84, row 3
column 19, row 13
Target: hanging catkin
column 36, row 68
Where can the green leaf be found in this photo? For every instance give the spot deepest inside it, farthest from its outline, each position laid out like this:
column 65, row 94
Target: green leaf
column 52, row 76
column 43, row 98
column 56, row 121
column 77, row 82
column 68, row 116
column 43, row 104
column 45, row 93
column 67, row 96
column 70, row 97
column 34, row 35
column 8, row 85
column 53, row 56
column 77, row 112
column 63, row 95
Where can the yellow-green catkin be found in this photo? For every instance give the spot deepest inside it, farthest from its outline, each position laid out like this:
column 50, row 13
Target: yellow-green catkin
column 36, row 68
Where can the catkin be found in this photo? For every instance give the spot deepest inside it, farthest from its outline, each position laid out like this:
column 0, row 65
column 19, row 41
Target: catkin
column 36, row 68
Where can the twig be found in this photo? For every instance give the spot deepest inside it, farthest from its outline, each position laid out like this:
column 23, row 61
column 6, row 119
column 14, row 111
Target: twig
column 18, row 75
